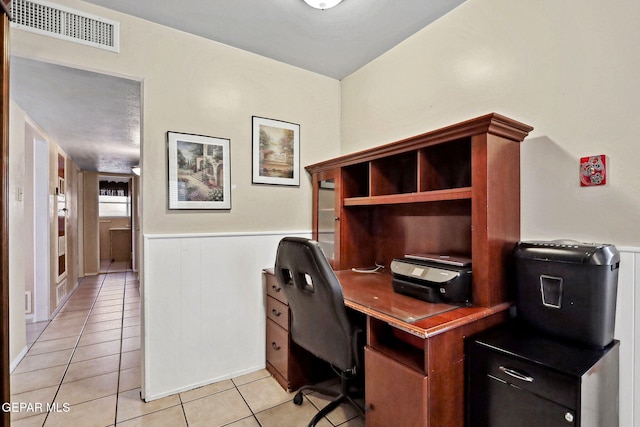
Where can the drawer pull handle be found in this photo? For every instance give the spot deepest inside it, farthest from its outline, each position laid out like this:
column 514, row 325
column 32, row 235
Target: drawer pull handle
column 275, row 312
column 276, row 288
column 275, row 346
column 516, row 374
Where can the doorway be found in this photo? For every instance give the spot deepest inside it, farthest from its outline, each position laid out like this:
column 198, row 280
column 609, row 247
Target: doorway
column 94, row 120
column 115, row 213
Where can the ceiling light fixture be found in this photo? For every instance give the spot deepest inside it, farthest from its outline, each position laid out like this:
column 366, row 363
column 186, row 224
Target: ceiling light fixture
column 322, row 4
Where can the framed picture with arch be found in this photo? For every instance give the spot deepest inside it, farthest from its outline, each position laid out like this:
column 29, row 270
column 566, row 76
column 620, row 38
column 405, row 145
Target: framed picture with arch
column 199, row 171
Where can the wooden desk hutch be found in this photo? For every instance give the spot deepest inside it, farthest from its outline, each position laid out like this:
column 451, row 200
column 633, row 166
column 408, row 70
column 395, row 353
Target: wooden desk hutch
column 455, row 190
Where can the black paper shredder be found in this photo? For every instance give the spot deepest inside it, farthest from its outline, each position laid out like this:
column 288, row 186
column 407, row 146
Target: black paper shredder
column 568, row 289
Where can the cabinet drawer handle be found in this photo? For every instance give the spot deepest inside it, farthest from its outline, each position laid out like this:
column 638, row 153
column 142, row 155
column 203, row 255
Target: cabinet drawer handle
column 275, row 312
column 275, row 346
column 516, row 374
column 276, row 288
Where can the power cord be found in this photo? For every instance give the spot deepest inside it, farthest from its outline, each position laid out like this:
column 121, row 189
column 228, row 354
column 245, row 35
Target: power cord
column 368, row 271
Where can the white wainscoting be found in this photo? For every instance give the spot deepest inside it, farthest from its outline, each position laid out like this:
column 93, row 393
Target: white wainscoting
column 204, row 314
column 628, row 332
column 204, row 308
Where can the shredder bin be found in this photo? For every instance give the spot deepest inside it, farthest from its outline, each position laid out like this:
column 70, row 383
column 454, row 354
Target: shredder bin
column 568, row 289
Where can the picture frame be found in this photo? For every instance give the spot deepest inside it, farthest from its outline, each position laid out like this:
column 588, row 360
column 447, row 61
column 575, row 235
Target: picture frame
column 275, row 152
column 199, row 171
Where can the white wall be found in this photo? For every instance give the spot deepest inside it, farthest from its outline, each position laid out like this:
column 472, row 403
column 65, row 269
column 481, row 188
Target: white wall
column 18, row 246
column 627, row 331
column 40, row 255
column 567, row 68
column 204, row 308
column 31, row 223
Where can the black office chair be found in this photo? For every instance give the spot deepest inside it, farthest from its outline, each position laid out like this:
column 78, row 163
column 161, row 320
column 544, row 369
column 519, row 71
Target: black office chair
column 320, row 322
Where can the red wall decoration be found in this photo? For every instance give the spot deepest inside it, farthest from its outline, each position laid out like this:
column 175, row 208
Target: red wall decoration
column 593, row 170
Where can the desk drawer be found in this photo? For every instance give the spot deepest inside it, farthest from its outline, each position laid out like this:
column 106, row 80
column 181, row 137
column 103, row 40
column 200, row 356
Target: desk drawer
column 277, row 347
column 273, row 288
column 544, row 382
column 278, row 312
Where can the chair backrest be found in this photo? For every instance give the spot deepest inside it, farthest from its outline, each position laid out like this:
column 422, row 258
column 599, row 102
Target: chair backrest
column 319, row 320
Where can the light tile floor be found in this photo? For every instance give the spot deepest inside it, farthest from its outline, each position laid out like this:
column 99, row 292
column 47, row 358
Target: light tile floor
column 85, row 365
column 108, row 266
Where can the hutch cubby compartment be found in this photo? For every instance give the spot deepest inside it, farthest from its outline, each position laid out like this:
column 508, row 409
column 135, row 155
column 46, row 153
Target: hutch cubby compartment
column 394, row 174
column 439, row 172
column 355, row 180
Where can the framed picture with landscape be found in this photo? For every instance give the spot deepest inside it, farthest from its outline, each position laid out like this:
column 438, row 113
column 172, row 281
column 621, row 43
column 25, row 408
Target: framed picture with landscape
column 276, row 152
column 199, row 172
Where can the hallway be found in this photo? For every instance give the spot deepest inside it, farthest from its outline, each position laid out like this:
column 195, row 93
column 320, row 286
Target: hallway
column 108, row 266
column 87, row 363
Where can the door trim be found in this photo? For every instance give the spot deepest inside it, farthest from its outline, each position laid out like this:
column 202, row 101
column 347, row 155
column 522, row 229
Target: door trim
column 4, row 214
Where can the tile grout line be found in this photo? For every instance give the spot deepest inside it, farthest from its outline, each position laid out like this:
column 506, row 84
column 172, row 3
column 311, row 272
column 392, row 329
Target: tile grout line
column 184, row 413
column 76, row 344
column 253, row 414
column 124, row 297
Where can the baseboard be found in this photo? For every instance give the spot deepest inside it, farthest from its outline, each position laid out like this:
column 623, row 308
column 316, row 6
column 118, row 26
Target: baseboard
column 18, row 359
column 150, row 398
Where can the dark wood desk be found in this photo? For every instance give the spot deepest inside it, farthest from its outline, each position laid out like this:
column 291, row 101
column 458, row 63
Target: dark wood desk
column 373, row 295
column 453, row 190
column 414, row 368
column 414, row 357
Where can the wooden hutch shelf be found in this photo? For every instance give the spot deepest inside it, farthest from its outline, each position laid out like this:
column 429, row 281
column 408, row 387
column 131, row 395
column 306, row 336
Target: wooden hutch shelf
column 425, row 196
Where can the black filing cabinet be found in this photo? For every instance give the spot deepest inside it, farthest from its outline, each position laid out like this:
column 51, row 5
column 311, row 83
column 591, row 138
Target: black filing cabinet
column 518, row 378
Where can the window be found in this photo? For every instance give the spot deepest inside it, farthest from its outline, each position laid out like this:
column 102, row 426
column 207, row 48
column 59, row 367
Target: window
column 113, row 198
column 114, row 206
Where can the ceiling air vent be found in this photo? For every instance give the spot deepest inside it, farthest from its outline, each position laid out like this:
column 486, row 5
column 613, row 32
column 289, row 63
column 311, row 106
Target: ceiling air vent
column 61, row 22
